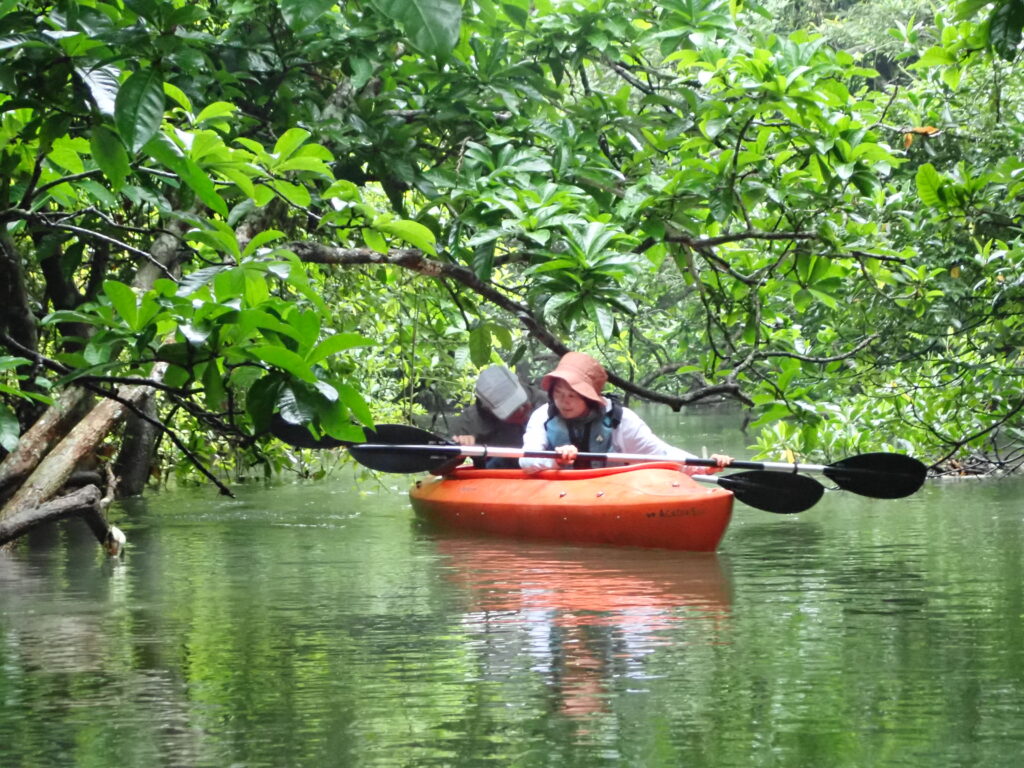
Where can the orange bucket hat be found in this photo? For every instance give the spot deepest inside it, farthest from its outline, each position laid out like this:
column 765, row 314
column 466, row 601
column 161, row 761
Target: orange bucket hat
column 583, row 373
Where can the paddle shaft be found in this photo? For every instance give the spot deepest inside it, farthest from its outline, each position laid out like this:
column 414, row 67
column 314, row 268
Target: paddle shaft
column 877, row 475
column 498, row 452
column 778, row 492
column 773, row 466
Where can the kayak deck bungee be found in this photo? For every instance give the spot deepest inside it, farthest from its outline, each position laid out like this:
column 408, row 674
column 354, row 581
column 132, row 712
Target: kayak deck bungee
column 640, row 505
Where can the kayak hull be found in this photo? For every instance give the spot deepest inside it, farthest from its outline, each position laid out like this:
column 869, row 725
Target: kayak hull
column 642, row 505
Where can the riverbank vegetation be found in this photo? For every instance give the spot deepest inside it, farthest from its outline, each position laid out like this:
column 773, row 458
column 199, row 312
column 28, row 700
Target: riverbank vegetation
column 214, row 212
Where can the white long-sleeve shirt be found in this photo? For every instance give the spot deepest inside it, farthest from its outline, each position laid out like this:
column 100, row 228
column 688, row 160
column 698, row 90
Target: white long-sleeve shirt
column 631, row 436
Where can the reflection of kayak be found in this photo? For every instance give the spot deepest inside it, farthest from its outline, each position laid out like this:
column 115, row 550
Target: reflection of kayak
column 641, row 505
column 582, row 585
column 581, row 617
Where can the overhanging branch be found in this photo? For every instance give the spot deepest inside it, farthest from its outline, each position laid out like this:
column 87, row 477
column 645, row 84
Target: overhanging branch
column 415, row 260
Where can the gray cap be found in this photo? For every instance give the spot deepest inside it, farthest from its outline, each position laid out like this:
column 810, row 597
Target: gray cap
column 500, row 391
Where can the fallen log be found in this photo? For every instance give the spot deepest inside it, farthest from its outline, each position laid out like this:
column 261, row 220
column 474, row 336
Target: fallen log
column 48, row 430
column 86, row 502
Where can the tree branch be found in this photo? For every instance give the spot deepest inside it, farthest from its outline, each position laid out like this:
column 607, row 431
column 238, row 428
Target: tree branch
column 415, row 260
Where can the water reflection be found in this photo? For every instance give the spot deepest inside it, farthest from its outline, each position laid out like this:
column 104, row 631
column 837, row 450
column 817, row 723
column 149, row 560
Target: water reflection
column 582, row 617
column 321, row 626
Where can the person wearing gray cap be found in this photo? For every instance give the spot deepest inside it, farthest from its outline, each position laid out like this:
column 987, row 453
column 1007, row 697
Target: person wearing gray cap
column 498, row 417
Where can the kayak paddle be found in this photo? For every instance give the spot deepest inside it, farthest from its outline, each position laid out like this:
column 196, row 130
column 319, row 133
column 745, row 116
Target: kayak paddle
column 878, row 475
column 778, row 492
column 406, row 449
column 300, row 436
column 775, row 492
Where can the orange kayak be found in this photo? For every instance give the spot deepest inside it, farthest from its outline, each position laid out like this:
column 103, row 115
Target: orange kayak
column 640, row 505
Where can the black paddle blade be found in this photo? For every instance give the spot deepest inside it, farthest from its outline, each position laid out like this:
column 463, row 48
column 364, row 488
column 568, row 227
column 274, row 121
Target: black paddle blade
column 299, row 436
column 402, row 449
column 777, row 492
column 878, row 475
column 395, row 434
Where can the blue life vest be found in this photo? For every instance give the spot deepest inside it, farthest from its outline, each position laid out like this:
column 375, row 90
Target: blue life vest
column 596, row 436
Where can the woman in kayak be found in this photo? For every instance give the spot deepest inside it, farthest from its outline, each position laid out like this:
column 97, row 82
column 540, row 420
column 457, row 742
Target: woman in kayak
column 579, row 419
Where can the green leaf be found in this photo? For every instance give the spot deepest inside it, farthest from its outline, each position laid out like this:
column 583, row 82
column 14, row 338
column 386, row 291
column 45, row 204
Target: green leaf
column 929, row 183
column 293, row 193
column 109, row 154
column 356, row 404
column 299, row 14
column 412, row 232
column 201, row 183
column 308, row 164
column 603, row 318
column 517, row 10
column 502, row 334
column 1004, row 28
column 103, row 86
column 139, row 108
column 334, row 344
column 241, row 180
column 10, row 430
column 178, row 96
column 432, row 25
column 290, row 141
column 261, row 239
column 218, row 110
column 216, row 238
column 294, row 408
column 251, row 319
column 283, row 358
column 261, row 399
column 952, row 76
column 65, row 153
column 480, row 345
column 936, row 56
column 802, row 300
column 326, row 391
column 194, row 335
column 124, row 301
column 193, row 281
column 965, row 9
column 10, row 363
column 213, row 387
column 256, row 290
column 375, row 240
column 307, row 327
column 165, row 152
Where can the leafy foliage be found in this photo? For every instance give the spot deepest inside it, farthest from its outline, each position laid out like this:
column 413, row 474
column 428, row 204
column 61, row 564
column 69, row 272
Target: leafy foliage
column 699, row 195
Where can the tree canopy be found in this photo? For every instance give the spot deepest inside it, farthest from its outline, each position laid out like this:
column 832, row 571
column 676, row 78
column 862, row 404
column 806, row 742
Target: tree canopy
column 330, row 211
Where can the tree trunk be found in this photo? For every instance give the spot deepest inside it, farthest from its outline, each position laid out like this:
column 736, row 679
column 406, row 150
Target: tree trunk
column 135, row 459
column 15, row 312
column 85, row 502
column 51, row 427
column 46, row 476
column 53, row 472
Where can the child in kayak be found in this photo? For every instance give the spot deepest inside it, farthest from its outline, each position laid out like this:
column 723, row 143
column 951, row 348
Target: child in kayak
column 579, row 419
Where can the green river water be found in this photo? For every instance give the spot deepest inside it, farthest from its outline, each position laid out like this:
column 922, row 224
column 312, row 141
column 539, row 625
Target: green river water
column 321, row 625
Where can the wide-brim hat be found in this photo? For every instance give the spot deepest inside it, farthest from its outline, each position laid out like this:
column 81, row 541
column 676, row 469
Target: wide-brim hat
column 499, row 390
column 580, row 371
